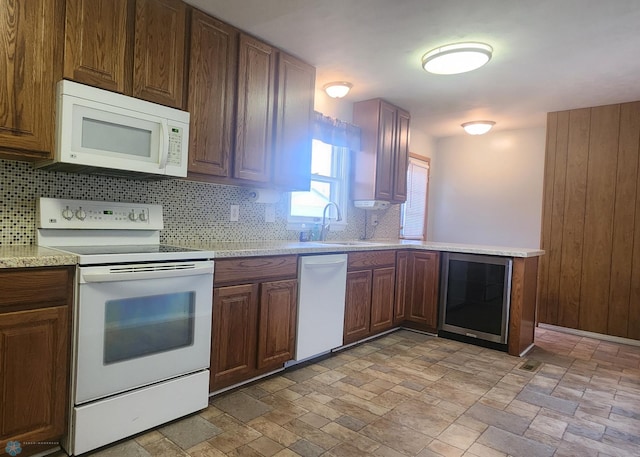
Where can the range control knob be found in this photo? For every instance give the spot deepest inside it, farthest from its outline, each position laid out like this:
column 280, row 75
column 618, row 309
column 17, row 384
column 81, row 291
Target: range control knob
column 81, row 214
column 67, row 213
column 132, row 216
column 142, row 216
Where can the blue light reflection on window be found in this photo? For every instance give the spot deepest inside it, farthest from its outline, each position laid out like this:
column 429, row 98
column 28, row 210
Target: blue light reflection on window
column 141, row 326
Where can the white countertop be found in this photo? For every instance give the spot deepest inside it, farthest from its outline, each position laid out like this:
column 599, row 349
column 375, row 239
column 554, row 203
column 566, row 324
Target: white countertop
column 26, row 256
column 261, row 248
column 23, row 256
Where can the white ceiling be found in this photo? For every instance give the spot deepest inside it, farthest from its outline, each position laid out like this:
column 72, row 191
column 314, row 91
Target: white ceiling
column 549, row 55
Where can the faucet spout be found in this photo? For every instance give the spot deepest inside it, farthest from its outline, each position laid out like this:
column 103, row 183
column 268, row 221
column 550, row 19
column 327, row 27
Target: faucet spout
column 326, row 223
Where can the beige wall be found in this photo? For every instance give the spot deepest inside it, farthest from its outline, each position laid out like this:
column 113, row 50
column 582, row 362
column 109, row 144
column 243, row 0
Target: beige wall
column 337, row 108
column 488, row 189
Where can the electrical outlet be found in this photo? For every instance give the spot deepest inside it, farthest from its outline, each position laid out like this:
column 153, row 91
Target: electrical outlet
column 269, row 213
column 374, row 219
column 234, row 214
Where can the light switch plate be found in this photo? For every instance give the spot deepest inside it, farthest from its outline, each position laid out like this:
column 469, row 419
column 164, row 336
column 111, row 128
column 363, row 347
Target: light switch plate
column 234, row 214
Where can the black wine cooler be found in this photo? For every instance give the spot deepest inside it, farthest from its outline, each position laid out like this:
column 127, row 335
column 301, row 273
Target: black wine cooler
column 475, row 297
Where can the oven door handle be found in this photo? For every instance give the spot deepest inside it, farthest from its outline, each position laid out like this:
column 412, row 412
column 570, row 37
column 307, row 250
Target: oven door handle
column 107, row 275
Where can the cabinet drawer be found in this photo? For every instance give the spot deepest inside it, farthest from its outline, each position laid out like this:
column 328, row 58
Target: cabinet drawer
column 254, row 269
column 35, row 288
column 371, row 259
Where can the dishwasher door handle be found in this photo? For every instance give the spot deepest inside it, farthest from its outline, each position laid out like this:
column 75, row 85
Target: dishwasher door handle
column 324, row 264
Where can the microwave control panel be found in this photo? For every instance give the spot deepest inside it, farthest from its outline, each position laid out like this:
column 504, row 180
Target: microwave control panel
column 175, row 146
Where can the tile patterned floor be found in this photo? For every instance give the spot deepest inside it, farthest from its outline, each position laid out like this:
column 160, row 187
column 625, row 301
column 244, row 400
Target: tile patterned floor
column 412, row 394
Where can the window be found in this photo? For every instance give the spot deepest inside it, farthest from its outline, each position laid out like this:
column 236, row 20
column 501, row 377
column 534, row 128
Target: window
column 328, row 184
column 413, row 213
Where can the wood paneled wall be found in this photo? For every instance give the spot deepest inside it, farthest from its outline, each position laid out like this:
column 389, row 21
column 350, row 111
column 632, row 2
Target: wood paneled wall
column 590, row 276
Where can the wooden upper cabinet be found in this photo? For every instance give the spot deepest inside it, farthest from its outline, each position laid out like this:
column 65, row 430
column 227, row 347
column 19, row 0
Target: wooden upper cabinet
column 136, row 47
column 294, row 117
column 95, row 44
column 159, row 51
column 385, row 153
column 254, row 117
column 401, row 159
column 380, row 167
column 29, row 30
column 211, row 99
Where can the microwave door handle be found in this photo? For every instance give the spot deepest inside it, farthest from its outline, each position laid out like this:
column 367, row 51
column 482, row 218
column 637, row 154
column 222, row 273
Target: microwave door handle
column 164, row 150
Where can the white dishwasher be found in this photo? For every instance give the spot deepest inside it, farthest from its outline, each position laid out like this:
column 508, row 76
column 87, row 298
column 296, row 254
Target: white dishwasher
column 323, row 283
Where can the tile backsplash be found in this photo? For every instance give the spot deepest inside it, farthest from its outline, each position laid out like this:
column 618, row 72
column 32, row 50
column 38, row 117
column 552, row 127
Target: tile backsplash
column 193, row 211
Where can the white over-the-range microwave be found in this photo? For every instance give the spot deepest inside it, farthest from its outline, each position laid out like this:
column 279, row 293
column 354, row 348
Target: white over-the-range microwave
column 102, row 132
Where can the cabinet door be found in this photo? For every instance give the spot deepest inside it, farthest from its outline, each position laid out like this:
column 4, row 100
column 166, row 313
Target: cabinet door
column 423, row 307
column 403, row 283
column 159, row 54
column 212, row 86
column 95, row 44
column 382, row 296
column 27, row 79
column 277, row 323
column 386, row 152
column 254, row 117
column 401, row 157
column 294, row 117
column 234, row 329
column 357, row 312
column 34, row 353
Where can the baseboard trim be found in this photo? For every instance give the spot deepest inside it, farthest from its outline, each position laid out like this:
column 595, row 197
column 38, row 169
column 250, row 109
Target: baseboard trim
column 596, row 336
column 244, row 383
column 369, row 338
column 526, row 351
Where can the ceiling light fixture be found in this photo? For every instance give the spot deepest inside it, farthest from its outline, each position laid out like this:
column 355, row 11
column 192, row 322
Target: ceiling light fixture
column 456, row 58
column 337, row 89
column 478, row 127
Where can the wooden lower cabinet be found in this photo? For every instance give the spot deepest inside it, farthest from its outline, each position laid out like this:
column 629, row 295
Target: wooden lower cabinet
column 34, row 355
column 277, row 327
column 403, row 282
column 382, row 299
column 254, row 323
column 370, row 294
column 234, row 330
column 416, row 304
column 357, row 311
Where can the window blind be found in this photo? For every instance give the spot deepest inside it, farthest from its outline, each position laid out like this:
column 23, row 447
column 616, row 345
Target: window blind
column 413, row 210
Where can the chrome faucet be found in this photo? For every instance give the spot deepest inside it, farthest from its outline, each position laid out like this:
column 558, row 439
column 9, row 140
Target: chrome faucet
column 325, row 224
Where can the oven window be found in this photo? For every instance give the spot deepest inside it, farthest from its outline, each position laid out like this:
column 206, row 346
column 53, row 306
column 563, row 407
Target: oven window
column 141, row 326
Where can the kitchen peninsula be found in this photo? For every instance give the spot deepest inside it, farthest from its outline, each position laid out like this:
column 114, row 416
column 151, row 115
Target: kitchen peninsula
column 523, row 285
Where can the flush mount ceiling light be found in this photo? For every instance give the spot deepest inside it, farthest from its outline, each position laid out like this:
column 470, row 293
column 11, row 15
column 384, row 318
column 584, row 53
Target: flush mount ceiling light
column 456, row 58
column 337, row 89
column 478, row 127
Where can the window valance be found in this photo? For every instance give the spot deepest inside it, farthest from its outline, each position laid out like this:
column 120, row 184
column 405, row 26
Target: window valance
column 336, row 132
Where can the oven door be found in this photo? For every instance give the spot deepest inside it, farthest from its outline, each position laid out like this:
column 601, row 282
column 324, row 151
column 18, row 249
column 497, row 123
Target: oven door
column 140, row 324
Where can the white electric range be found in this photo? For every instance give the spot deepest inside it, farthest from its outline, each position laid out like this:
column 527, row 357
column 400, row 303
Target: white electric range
column 141, row 321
